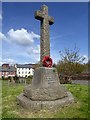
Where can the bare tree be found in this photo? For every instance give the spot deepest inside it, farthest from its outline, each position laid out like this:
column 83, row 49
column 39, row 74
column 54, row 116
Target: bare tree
column 71, row 55
column 71, row 62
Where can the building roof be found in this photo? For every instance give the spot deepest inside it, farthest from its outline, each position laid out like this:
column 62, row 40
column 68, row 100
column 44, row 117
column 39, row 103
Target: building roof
column 24, row 65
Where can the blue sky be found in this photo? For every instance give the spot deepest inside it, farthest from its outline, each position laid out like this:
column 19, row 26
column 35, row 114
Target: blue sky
column 21, row 31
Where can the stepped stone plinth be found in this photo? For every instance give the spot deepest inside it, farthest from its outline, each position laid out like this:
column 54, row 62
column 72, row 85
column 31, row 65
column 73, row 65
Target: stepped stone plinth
column 45, row 91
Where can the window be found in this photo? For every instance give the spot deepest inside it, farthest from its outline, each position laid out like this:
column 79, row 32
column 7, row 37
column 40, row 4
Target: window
column 29, row 73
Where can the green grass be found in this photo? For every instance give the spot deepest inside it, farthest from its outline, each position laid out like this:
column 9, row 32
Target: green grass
column 79, row 109
column 0, row 98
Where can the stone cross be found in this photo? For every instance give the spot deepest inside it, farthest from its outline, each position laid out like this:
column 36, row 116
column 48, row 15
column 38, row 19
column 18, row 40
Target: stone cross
column 46, row 20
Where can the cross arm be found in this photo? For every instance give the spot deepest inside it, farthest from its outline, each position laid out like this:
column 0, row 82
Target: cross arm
column 38, row 15
column 51, row 20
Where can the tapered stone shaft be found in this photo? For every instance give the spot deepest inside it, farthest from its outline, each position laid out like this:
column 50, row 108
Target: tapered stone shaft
column 46, row 20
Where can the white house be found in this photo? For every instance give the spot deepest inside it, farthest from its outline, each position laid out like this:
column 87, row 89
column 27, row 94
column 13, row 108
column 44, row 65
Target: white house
column 24, row 70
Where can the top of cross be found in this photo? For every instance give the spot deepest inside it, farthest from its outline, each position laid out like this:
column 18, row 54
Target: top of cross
column 43, row 14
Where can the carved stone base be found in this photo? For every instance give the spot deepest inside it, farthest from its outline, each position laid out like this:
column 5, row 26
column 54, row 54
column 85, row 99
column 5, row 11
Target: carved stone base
column 48, row 93
column 50, row 105
column 45, row 91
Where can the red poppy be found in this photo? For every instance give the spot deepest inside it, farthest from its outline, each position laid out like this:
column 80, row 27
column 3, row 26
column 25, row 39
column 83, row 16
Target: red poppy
column 47, row 61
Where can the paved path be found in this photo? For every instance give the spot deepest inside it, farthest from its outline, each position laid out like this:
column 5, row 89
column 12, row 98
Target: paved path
column 83, row 82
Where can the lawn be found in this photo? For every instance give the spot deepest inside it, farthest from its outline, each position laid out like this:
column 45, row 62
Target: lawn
column 10, row 109
column 0, row 98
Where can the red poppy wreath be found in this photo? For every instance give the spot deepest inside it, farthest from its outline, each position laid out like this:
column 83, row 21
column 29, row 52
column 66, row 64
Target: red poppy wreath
column 47, row 61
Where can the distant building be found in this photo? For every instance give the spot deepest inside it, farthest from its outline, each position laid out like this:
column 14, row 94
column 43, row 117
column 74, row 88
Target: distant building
column 5, row 66
column 19, row 70
column 24, row 70
column 0, row 71
column 7, row 71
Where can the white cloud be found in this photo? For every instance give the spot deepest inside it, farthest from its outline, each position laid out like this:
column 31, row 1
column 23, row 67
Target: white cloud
column 22, row 36
column 86, row 59
column 7, row 60
column 34, row 50
column 2, row 36
column 24, row 39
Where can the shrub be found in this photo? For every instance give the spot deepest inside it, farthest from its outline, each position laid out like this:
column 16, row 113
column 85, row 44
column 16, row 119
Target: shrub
column 29, row 79
column 64, row 79
column 16, row 79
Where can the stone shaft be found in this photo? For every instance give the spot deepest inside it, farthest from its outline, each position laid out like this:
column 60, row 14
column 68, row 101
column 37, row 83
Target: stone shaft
column 44, row 33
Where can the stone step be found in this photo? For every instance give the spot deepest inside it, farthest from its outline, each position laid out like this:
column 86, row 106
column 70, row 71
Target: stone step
column 50, row 105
